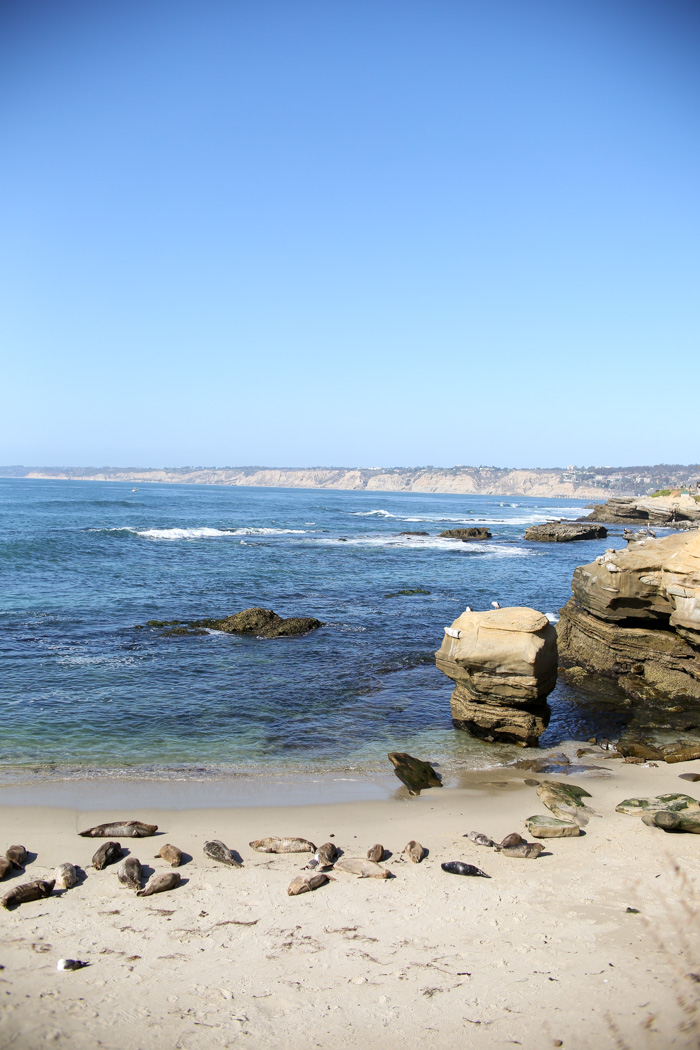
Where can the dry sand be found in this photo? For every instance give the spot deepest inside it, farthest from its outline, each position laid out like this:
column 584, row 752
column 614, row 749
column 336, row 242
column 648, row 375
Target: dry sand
column 544, row 951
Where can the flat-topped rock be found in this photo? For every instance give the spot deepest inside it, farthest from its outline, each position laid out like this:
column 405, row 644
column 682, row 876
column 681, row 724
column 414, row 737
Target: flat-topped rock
column 504, row 665
column 565, row 532
column 546, row 826
column 652, row 510
column 471, row 533
column 670, row 803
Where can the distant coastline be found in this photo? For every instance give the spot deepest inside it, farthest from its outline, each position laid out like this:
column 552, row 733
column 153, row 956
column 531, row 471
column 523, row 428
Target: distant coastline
column 576, row 482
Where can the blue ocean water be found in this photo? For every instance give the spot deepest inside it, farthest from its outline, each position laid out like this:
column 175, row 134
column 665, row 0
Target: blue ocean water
column 84, row 689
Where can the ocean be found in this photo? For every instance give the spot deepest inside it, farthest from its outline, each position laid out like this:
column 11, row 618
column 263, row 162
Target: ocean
column 86, row 691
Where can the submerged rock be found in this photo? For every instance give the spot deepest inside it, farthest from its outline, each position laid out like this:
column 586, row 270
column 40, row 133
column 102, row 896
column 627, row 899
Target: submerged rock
column 471, row 533
column 414, row 773
column 564, row 532
column 504, row 665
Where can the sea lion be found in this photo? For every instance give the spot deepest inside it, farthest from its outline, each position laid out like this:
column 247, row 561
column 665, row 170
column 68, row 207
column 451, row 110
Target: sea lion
column 129, row 873
column 528, row 850
column 479, row 839
column 172, row 854
column 28, row 891
column 5, row 866
column 514, row 839
column 376, row 853
column 65, row 876
column 160, row 882
column 366, row 869
column 304, row 883
column 414, row 851
column 216, row 850
column 108, row 853
column 128, row 829
column 324, row 857
column 17, row 856
column 458, row 867
column 279, row 845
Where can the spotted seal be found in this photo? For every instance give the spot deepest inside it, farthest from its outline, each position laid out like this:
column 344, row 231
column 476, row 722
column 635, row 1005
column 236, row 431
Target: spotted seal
column 479, row 839
column 65, row 876
column 215, row 849
column 172, row 854
column 28, row 891
column 128, row 829
column 129, row 873
column 274, row 844
column 160, row 882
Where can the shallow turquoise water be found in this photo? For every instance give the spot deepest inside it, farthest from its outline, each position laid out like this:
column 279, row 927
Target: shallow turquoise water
column 82, row 563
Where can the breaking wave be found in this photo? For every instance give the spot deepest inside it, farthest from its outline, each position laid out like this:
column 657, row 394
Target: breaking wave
column 203, row 533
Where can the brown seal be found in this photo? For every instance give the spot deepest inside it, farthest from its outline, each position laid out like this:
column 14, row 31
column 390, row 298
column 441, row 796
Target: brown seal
column 514, row 839
column 528, row 850
column 5, row 866
column 376, row 852
column 17, row 856
column 282, row 845
column 160, row 882
column 65, row 876
column 108, row 853
column 304, row 883
column 172, row 854
column 414, row 851
column 28, row 891
column 366, row 869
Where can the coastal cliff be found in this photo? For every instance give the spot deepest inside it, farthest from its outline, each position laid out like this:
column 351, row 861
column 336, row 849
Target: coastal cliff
column 588, row 484
column 635, row 617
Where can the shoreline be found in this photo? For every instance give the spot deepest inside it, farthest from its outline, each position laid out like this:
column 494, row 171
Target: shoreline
column 541, row 951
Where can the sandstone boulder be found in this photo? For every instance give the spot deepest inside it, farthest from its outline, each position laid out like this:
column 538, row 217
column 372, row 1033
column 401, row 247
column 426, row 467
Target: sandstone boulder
column 545, row 826
column 504, row 665
column 635, row 617
column 651, row 510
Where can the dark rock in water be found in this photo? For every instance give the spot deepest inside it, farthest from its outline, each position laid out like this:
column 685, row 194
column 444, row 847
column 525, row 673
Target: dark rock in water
column 414, row 773
column 263, row 623
column 401, row 594
column 458, row 867
column 564, row 532
column 466, row 534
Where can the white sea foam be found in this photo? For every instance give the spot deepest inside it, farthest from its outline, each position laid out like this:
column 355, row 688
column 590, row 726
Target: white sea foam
column 373, row 514
column 205, row 533
column 476, row 547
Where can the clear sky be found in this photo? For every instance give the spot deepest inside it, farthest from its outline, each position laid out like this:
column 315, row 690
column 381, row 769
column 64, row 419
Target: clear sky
column 377, row 232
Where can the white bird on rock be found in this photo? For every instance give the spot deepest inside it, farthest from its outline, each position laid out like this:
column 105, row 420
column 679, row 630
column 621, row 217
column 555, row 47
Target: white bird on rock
column 496, row 605
column 469, row 609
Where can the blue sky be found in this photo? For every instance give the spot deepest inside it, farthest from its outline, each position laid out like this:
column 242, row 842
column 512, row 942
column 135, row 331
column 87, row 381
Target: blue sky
column 396, row 233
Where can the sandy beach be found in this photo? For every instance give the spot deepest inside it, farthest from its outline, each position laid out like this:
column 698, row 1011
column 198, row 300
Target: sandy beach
column 544, row 953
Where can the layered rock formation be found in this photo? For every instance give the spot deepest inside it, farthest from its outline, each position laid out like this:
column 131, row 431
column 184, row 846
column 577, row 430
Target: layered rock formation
column 635, row 617
column 472, row 533
column 565, row 532
column 504, row 665
column 650, row 510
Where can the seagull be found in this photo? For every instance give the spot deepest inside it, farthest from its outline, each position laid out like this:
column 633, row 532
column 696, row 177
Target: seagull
column 496, row 605
column 469, row 609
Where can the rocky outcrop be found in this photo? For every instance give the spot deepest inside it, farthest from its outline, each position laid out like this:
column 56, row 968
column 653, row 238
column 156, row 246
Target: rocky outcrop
column 504, row 665
column 565, row 532
column 650, row 510
column 635, row 617
column 466, row 534
column 263, row 623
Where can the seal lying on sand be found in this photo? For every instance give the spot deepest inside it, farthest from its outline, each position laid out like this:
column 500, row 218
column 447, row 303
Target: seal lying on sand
column 5, row 866
column 324, row 857
column 304, row 883
column 160, row 882
column 108, row 853
column 458, row 867
column 28, row 891
column 278, row 845
column 172, row 854
column 17, row 856
column 528, row 850
column 479, row 839
column 414, row 851
column 366, row 869
column 216, row 850
column 514, row 839
column 65, row 876
column 129, row 873
column 376, row 853
column 128, row 829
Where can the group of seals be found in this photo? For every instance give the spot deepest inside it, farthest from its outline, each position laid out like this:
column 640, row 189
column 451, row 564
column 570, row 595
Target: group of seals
column 513, row 845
